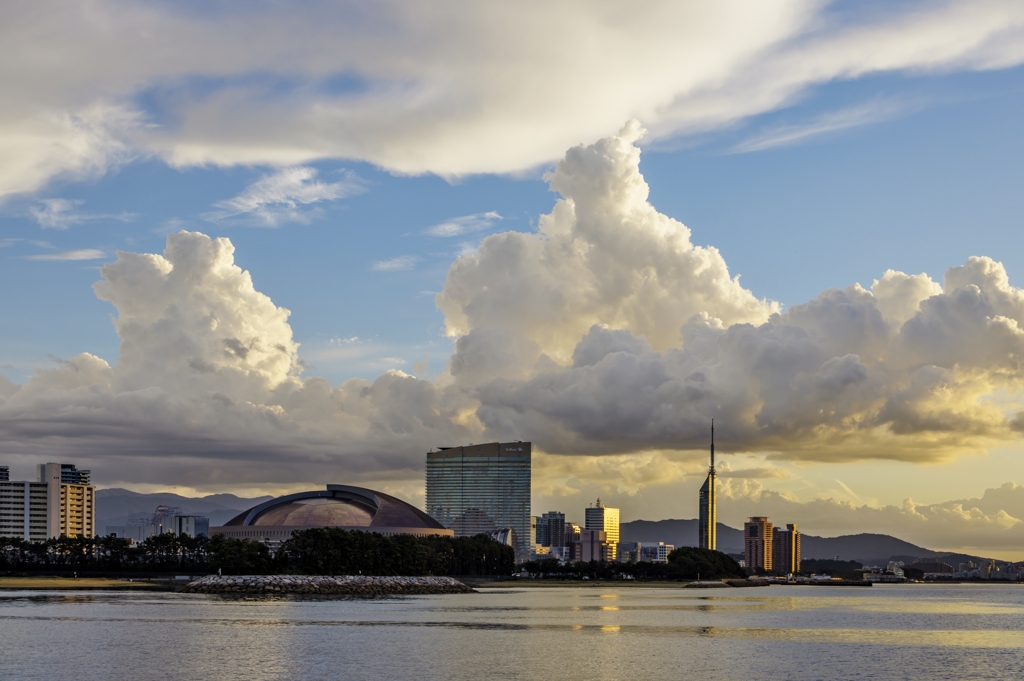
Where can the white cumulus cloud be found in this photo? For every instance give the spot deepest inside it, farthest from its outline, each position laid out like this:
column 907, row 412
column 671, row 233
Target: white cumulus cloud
column 606, row 337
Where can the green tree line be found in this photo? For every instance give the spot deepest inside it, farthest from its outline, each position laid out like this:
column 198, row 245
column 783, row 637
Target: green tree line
column 325, row 551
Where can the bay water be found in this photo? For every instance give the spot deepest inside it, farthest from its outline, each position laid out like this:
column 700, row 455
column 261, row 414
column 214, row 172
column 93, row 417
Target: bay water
column 912, row 631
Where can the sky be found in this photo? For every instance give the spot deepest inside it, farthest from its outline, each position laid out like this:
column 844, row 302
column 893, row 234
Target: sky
column 258, row 249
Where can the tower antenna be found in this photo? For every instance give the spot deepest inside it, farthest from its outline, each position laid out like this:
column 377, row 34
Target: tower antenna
column 712, row 445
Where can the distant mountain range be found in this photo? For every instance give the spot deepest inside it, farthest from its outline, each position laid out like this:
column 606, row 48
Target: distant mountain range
column 116, row 506
column 869, row 549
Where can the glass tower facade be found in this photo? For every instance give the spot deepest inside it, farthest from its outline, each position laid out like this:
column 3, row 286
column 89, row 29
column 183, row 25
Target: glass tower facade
column 481, row 488
column 707, row 524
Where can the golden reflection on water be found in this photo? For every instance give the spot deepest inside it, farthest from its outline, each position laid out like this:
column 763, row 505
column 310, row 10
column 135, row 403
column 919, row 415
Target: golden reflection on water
column 943, row 607
column 987, row 638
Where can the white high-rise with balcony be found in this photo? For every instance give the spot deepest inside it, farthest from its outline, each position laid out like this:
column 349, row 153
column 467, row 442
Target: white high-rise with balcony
column 60, row 502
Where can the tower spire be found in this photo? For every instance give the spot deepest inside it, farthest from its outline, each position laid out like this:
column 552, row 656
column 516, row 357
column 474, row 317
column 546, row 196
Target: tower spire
column 712, row 445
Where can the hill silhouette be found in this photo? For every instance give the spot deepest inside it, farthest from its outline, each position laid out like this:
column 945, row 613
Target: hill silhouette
column 114, row 506
column 866, row 548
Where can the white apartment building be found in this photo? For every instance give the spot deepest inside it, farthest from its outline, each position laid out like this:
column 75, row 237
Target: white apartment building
column 60, row 502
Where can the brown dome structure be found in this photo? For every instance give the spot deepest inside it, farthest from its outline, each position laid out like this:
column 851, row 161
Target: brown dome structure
column 343, row 506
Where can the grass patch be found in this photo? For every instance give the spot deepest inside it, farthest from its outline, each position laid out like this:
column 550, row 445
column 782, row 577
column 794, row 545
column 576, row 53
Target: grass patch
column 71, row 583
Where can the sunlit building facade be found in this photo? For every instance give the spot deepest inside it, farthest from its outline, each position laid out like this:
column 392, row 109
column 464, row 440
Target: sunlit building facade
column 707, row 523
column 604, row 519
column 480, row 488
column 786, row 550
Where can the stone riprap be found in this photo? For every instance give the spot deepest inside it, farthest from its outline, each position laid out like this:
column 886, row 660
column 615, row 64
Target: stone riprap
column 347, row 585
column 715, row 584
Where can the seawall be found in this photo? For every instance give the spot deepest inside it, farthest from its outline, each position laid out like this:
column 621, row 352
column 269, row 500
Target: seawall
column 345, row 585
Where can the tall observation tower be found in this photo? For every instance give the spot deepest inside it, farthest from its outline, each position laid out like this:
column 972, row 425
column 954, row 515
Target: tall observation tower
column 707, row 528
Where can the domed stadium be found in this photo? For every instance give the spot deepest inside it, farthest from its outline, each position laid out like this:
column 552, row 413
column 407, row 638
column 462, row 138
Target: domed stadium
column 342, row 506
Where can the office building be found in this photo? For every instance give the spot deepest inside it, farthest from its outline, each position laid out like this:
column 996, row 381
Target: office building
column 543, row 538
column 480, row 488
column 786, row 550
column 562, row 553
column 48, row 507
column 551, row 529
column 191, row 525
column 540, row 552
column 136, row 532
column 655, row 552
column 707, row 523
column 602, row 518
column 757, row 544
column 5, row 474
column 647, row 552
column 572, row 533
column 594, row 546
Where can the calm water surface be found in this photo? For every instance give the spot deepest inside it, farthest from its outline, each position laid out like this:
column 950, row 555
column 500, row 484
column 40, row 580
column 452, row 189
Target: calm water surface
column 569, row 634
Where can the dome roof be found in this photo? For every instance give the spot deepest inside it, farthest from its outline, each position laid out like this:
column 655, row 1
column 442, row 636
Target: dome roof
column 337, row 506
column 317, row 512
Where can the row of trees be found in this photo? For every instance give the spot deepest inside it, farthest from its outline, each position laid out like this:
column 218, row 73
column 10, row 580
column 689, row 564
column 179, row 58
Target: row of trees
column 333, row 551
column 327, row 551
column 683, row 563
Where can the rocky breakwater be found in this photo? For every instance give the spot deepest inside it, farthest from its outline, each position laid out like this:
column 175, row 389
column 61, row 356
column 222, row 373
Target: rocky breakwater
column 714, row 584
column 347, row 585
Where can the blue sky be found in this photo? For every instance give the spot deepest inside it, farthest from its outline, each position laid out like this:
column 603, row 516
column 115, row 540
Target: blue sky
column 364, row 160
column 919, row 190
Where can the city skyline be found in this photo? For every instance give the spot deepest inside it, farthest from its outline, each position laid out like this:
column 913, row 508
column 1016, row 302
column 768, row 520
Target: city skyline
column 314, row 260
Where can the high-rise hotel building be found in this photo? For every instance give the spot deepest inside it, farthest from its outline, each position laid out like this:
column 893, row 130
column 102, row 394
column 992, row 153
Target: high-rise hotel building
column 61, row 502
column 482, row 488
column 707, row 524
column 786, row 550
column 757, row 543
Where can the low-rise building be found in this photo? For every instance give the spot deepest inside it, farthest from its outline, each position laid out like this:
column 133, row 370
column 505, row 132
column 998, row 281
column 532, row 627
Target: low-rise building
column 647, row 551
column 166, row 519
column 563, row 553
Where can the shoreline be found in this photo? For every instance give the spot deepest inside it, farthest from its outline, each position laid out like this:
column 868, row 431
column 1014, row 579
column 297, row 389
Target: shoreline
column 84, row 584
